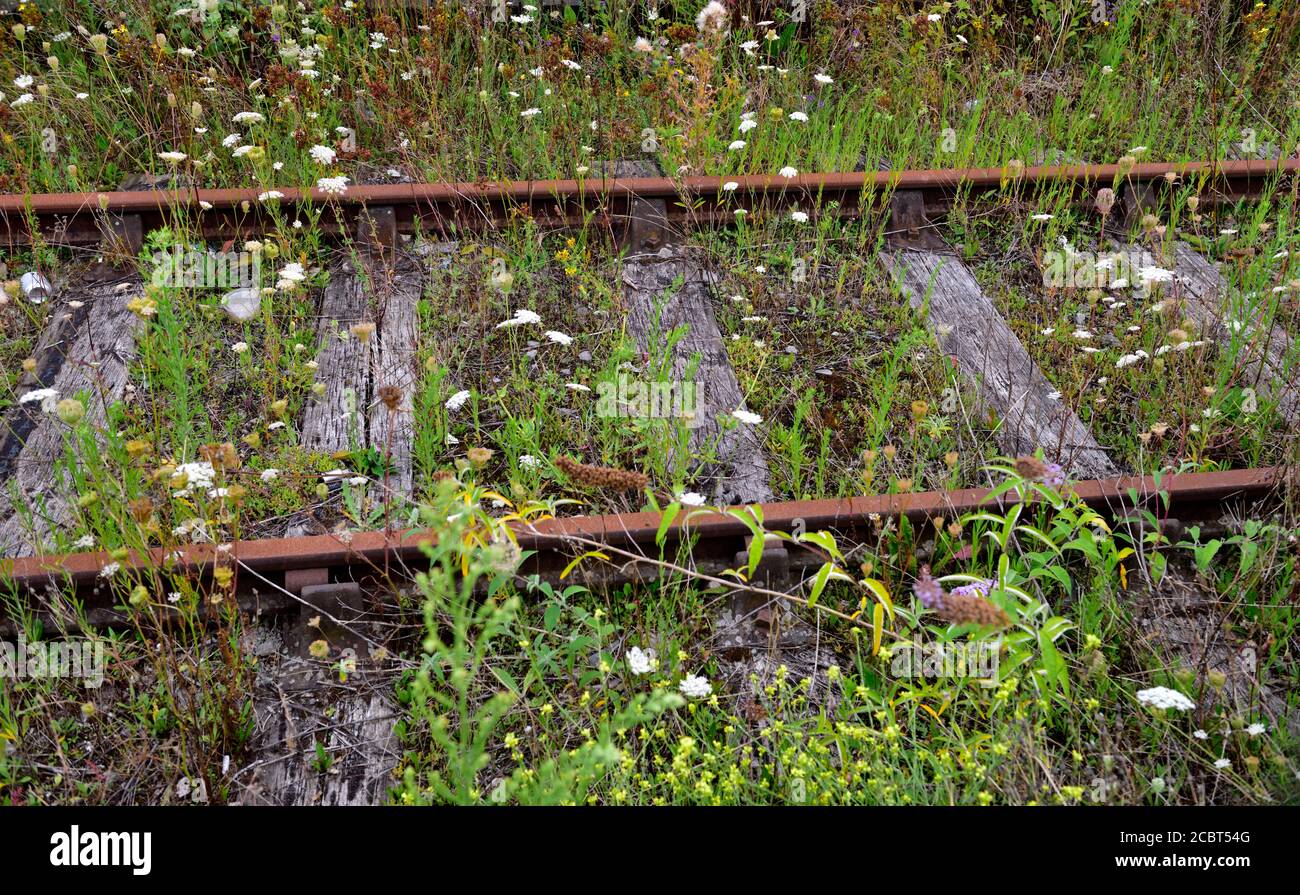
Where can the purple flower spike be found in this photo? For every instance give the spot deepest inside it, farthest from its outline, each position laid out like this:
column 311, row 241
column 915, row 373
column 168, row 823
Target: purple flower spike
column 927, row 590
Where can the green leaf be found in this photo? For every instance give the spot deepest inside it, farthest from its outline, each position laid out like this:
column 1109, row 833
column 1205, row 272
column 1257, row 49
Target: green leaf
column 552, row 616
column 824, row 540
column 828, row 572
column 671, row 511
column 755, row 554
column 1158, row 563
column 1204, row 554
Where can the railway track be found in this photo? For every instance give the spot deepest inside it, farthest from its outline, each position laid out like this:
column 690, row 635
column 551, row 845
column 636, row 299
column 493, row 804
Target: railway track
column 649, row 208
column 379, row 213
column 271, row 573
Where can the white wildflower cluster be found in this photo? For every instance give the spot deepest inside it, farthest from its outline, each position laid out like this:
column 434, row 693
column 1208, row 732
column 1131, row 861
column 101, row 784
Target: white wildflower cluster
column 48, row 398
column 457, row 401
column 1165, row 698
column 523, row 317
column 198, row 475
column 694, row 686
column 641, row 661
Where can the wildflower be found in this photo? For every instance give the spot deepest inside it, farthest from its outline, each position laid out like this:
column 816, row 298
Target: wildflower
column 747, row 125
column 730, row 186
column 270, row 474
column 230, row 140
column 787, row 172
column 1105, row 201
column 290, row 276
column 70, row 411
column 457, row 401
column 335, row 186
column 979, row 588
column 110, row 569
column 322, row 155
column 695, row 687
column 928, row 590
column 1165, row 698
column 559, row 338
column 22, row 100
column 1223, row 764
column 1039, row 471
column 1200, row 735
column 736, row 146
column 1152, row 274
column 642, row 46
column 641, row 661
column 799, row 217
column 47, row 397
column 749, row 47
column 1042, row 217
column 22, row 82
column 1256, row 729
column 823, row 78
column 529, row 113
column 691, row 499
column 570, row 64
column 746, row 416
column 174, row 157
column 528, row 461
column 248, row 118
column 522, row 317
column 712, row 17
column 799, row 116
column 933, row 17
column 189, row 476
column 269, row 195
column 576, row 386
column 239, row 347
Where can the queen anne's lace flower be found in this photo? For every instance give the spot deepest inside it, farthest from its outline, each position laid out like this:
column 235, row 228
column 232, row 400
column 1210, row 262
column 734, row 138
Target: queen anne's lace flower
column 641, row 661
column 1165, row 698
column 695, row 687
column 522, row 317
column 457, row 401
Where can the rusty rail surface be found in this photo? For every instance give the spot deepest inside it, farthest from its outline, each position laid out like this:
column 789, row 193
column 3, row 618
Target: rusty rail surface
column 381, row 211
column 269, row 567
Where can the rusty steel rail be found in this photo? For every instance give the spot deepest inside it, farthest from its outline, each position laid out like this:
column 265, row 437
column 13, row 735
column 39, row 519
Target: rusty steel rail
column 380, row 212
column 273, row 568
